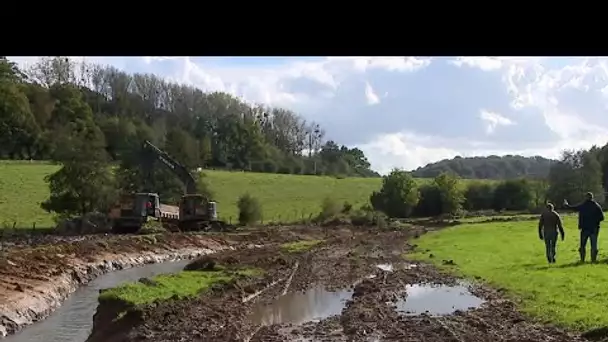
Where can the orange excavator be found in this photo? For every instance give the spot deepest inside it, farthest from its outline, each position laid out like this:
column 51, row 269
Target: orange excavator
column 195, row 212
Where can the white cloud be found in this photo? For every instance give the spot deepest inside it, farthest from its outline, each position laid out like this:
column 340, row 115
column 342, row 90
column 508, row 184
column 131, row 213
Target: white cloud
column 370, row 95
column 494, row 120
column 430, row 108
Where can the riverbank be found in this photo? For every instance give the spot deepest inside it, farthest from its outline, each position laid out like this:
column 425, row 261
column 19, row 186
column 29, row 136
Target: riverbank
column 35, row 281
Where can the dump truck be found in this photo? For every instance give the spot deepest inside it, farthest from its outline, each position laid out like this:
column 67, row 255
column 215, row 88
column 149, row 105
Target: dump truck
column 194, row 212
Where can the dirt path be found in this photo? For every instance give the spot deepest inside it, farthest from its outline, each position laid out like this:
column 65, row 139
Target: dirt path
column 354, row 284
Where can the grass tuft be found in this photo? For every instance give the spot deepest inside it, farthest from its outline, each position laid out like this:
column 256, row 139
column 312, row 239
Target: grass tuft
column 300, row 246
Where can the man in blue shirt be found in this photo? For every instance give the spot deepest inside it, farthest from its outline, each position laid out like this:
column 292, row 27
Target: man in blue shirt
column 590, row 214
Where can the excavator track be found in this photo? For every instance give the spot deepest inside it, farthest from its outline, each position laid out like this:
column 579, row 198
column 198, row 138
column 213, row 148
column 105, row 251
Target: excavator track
column 205, row 226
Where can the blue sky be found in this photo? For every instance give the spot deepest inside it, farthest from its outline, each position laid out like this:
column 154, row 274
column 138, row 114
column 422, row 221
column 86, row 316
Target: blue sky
column 406, row 111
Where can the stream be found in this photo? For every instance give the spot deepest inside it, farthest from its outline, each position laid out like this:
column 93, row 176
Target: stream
column 73, row 321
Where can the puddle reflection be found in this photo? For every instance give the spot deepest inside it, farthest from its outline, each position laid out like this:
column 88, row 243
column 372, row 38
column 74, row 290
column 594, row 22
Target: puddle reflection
column 301, row 307
column 385, row 267
column 437, row 299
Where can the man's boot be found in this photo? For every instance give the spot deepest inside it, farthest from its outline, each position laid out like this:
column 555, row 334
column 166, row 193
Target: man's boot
column 582, row 254
column 593, row 256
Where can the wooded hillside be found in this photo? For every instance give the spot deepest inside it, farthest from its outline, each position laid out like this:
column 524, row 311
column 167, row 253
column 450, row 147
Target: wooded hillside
column 57, row 99
column 491, row 167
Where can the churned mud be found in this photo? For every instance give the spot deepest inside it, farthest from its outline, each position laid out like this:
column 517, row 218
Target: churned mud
column 354, row 286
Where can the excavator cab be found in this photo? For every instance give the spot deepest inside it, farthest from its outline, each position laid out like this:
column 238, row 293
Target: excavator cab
column 193, row 207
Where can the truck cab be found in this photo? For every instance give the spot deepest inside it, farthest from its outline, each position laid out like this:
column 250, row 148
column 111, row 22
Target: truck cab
column 133, row 210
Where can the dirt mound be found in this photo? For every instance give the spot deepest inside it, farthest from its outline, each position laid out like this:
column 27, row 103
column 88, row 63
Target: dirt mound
column 205, row 263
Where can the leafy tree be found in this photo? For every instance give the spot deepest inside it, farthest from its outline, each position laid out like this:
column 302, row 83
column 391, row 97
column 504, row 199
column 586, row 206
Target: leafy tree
column 513, row 194
column 479, row 196
column 85, row 182
column 214, row 130
column 398, row 196
column 575, row 173
column 18, row 128
column 430, row 201
column 450, row 193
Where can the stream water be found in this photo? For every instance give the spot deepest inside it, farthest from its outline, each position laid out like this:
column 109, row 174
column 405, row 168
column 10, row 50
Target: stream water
column 73, row 321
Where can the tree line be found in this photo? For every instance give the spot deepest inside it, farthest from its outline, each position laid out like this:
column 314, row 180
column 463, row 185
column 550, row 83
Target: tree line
column 401, row 196
column 490, row 167
column 57, row 98
column 570, row 177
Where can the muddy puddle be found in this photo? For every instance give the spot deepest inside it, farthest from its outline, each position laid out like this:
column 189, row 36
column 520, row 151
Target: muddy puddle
column 436, row 300
column 385, row 267
column 297, row 308
column 391, row 267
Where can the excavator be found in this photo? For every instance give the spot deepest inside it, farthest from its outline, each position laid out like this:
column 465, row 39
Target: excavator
column 195, row 212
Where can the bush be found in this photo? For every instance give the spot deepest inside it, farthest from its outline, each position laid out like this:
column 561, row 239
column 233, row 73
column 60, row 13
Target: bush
column 270, row 167
column 398, row 196
column 250, row 210
column 513, row 194
column 479, row 196
column 430, row 201
column 347, row 207
column 329, row 208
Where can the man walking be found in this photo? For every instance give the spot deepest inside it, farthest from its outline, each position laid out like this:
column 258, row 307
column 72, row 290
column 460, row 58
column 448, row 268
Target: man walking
column 548, row 225
column 590, row 214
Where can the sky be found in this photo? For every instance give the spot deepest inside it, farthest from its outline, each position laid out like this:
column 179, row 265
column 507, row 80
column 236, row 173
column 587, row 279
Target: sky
column 406, row 112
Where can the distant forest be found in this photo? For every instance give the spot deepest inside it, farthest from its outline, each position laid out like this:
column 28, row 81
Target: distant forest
column 57, row 99
column 491, row 167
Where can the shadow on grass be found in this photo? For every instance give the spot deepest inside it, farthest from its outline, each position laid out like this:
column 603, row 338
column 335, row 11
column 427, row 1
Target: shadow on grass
column 569, row 265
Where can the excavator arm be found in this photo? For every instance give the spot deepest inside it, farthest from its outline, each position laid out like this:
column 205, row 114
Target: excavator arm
column 152, row 153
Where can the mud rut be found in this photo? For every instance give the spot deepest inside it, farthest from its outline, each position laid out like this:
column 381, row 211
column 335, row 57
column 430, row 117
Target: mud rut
column 346, row 262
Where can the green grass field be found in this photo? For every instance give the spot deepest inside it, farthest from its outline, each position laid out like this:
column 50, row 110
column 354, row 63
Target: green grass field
column 284, row 198
column 510, row 255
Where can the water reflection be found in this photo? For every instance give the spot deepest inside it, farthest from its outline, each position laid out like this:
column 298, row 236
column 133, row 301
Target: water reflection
column 301, row 307
column 437, row 299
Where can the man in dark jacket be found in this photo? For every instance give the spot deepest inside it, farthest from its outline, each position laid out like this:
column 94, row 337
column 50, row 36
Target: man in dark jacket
column 548, row 226
column 590, row 214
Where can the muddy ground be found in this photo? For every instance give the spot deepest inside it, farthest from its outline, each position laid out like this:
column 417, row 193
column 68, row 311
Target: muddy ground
column 340, row 284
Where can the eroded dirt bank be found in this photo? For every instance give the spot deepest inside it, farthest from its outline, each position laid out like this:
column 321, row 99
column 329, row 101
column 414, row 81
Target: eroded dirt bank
column 353, row 287
column 35, row 281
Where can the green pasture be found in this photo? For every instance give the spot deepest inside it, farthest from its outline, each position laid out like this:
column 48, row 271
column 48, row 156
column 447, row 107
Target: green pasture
column 510, row 255
column 284, row 198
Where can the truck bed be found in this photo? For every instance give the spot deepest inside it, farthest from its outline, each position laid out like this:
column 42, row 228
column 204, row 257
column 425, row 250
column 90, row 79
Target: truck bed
column 169, row 211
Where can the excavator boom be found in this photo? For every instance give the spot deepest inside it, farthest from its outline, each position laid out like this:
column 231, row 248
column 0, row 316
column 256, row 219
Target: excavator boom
column 152, row 153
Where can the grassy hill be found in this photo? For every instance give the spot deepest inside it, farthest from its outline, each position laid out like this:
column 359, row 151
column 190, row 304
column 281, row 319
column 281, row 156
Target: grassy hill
column 284, row 197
